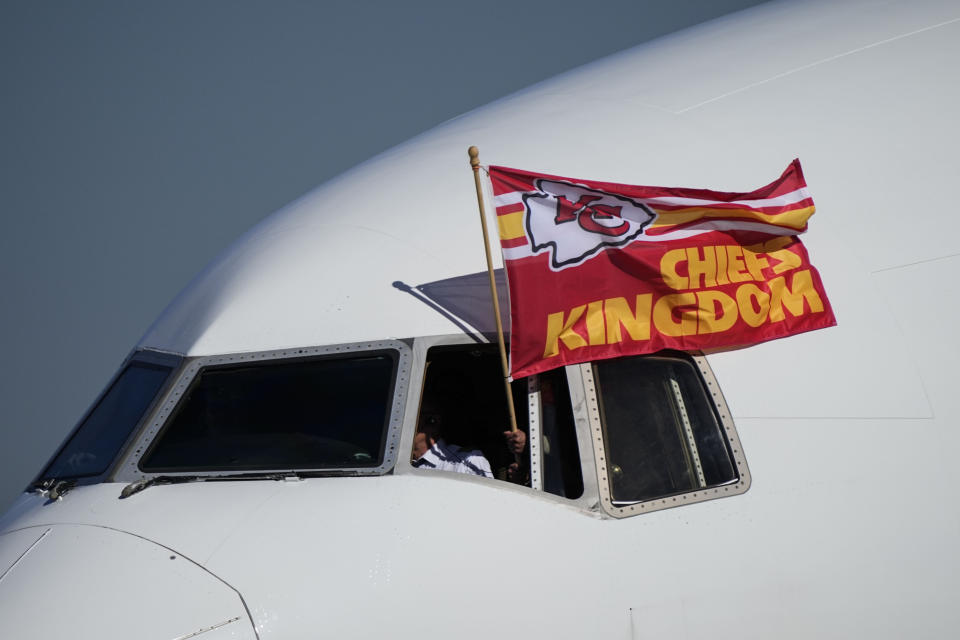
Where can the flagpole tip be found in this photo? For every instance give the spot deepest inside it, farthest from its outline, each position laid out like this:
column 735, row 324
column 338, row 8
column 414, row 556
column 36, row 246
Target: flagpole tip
column 474, row 156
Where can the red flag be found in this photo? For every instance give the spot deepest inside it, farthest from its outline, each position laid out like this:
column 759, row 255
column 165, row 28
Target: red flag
column 599, row 270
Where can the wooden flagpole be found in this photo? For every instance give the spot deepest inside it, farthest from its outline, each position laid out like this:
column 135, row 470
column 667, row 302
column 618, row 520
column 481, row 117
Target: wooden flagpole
column 475, row 163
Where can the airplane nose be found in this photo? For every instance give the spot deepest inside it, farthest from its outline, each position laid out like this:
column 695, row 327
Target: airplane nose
column 80, row 581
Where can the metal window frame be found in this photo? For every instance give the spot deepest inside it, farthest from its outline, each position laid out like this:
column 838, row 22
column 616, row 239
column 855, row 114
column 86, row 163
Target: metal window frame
column 587, row 499
column 586, row 502
column 129, row 470
column 741, row 485
column 533, row 432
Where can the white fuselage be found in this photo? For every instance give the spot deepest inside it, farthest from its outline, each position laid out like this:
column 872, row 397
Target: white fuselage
column 849, row 527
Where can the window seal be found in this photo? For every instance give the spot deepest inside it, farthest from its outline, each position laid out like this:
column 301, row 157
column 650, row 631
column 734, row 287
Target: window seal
column 129, row 470
column 739, row 486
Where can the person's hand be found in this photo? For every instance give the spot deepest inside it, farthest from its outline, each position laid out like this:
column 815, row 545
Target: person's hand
column 515, row 474
column 516, row 441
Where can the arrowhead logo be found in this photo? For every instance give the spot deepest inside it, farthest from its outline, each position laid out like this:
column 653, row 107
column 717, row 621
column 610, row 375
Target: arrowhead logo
column 576, row 222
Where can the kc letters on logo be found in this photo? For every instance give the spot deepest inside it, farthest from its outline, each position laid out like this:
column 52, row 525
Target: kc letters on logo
column 575, row 222
column 600, row 270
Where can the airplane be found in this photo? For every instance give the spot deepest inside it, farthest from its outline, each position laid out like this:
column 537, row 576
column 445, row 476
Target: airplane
column 192, row 502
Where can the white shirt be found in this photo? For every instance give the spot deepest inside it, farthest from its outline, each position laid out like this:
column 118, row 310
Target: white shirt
column 450, row 457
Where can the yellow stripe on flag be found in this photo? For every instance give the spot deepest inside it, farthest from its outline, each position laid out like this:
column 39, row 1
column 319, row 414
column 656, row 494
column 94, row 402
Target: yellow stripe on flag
column 795, row 219
column 511, row 225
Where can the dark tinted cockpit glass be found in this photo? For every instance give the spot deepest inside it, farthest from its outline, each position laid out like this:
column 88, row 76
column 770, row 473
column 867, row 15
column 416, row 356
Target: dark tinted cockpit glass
column 98, row 440
column 562, row 475
column 660, row 433
column 304, row 414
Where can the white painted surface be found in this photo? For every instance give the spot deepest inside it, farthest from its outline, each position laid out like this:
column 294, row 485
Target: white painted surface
column 820, row 546
column 850, row 526
column 854, row 89
column 112, row 585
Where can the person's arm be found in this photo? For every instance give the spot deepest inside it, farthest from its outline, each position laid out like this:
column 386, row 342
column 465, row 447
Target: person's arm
column 516, row 442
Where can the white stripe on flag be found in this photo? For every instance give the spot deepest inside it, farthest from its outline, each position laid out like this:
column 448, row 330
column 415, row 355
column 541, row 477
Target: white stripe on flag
column 515, row 253
column 720, row 225
column 507, row 198
column 525, row 251
column 780, row 201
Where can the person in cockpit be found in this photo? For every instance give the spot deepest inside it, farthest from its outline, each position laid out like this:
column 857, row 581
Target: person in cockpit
column 432, row 451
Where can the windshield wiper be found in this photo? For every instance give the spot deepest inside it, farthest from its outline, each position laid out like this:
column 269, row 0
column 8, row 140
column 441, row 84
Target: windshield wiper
column 54, row 487
column 139, row 485
column 144, row 483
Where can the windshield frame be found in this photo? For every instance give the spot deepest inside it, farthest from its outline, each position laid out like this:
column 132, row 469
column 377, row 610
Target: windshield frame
column 129, row 470
column 712, row 394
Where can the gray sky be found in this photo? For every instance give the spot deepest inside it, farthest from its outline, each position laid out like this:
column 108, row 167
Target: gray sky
column 137, row 140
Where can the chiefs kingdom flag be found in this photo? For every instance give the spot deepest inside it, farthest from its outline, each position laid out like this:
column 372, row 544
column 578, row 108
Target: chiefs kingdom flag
column 599, row 270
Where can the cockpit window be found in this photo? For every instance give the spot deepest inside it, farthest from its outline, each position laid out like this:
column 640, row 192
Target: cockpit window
column 463, row 412
column 463, row 417
column 661, row 435
column 316, row 413
column 99, row 438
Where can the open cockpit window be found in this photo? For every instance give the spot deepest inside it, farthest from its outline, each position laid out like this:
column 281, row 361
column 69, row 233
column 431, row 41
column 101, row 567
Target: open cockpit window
column 664, row 439
column 463, row 413
column 463, row 416
column 334, row 411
